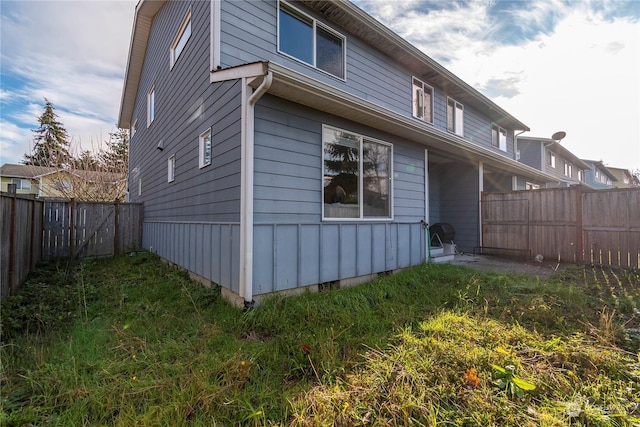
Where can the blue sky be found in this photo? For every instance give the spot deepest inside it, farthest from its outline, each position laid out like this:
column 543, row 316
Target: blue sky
column 555, row 65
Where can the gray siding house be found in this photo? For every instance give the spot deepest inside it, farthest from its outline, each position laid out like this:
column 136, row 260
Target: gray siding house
column 551, row 157
column 598, row 176
column 278, row 145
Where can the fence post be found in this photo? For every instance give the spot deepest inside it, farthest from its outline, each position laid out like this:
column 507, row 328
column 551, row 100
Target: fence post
column 579, row 247
column 12, row 188
column 72, row 227
column 116, row 228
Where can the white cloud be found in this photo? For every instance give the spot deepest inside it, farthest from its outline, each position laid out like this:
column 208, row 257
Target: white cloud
column 578, row 72
column 74, row 54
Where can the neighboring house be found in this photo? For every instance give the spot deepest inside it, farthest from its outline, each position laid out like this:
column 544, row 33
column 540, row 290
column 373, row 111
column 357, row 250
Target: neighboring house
column 49, row 182
column 28, row 179
column 598, row 175
column 551, row 157
column 624, row 178
column 277, row 145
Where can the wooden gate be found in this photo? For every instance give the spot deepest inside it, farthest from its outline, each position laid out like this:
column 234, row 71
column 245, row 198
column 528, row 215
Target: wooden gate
column 90, row 229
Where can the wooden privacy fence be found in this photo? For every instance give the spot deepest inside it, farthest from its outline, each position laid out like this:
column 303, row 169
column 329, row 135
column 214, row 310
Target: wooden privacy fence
column 570, row 224
column 35, row 230
column 20, row 239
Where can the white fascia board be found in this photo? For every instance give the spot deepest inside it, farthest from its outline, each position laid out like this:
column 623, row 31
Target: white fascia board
column 242, row 71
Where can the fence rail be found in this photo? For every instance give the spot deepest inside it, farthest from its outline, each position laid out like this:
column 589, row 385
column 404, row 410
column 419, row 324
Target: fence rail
column 570, row 224
column 35, row 230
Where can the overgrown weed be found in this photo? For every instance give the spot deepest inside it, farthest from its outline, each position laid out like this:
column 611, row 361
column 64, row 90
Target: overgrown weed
column 132, row 341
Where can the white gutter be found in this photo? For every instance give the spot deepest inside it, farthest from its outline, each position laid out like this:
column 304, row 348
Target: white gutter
column 246, row 187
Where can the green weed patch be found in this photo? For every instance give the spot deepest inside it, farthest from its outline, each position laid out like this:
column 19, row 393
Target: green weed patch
column 132, row 341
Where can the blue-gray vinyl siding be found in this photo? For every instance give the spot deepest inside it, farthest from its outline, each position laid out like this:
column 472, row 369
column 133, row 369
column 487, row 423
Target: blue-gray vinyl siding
column 194, row 220
column 292, row 245
column 249, row 34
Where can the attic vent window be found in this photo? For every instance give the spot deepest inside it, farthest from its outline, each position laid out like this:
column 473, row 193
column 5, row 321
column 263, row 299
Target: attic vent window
column 184, row 33
column 307, row 40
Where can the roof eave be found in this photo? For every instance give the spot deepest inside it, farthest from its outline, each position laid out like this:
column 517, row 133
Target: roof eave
column 145, row 11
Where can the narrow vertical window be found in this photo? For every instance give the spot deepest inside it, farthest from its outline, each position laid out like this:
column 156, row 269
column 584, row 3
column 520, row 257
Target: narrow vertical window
column 551, row 159
column 455, row 117
column 171, row 168
column 151, row 105
column 205, row 148
column 139, row 186
column 422, row 101
column 181, row 39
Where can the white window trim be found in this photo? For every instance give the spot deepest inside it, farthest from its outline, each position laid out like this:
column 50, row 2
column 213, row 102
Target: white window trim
column 552, row 159
column 316, row 24
column 458, row 120
column 502, row 145
column 201, row 148
column 414, row 99
column 362, row 218
column 178, row 40
column 151, row 105
column 171, row 168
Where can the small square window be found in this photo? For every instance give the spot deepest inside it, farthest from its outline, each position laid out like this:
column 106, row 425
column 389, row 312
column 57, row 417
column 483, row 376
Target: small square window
column 171, row 168
column 182, row 37
column 205, row 148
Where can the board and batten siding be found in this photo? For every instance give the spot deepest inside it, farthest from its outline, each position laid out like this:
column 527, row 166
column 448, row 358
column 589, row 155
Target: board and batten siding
column 194, row 220
column 249, row 34
column 293, row 247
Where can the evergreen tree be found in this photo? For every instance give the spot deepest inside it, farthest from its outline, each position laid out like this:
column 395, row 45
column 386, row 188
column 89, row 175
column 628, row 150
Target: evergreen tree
column 116, row 157
column 51, row 141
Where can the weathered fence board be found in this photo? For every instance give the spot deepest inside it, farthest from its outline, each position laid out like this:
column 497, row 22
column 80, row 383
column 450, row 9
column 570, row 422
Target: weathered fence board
column 568, row 224
column 20, row 240
column 33, row 230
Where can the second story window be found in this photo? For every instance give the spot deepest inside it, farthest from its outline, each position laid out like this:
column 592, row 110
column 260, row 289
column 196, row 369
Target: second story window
column 134, row 128
column 568, row 169
column 151, row 105
column 551, row 159
column 499, row 137
column 455, row 117
column 422, row 101
column 184, row 33
column 581, row 175
column 307, row 40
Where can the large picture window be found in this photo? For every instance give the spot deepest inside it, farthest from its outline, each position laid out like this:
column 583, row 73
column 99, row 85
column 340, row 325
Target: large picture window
column 357, row 176
column 307, row 40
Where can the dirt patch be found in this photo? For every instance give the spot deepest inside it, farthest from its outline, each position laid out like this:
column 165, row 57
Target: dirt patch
column 542, row 269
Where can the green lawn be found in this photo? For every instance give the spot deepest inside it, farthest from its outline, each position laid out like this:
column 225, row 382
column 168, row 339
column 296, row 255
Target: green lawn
column 131, row 341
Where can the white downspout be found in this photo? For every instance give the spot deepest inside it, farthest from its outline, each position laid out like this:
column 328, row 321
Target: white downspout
column 480, row 190
column 246, row 189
